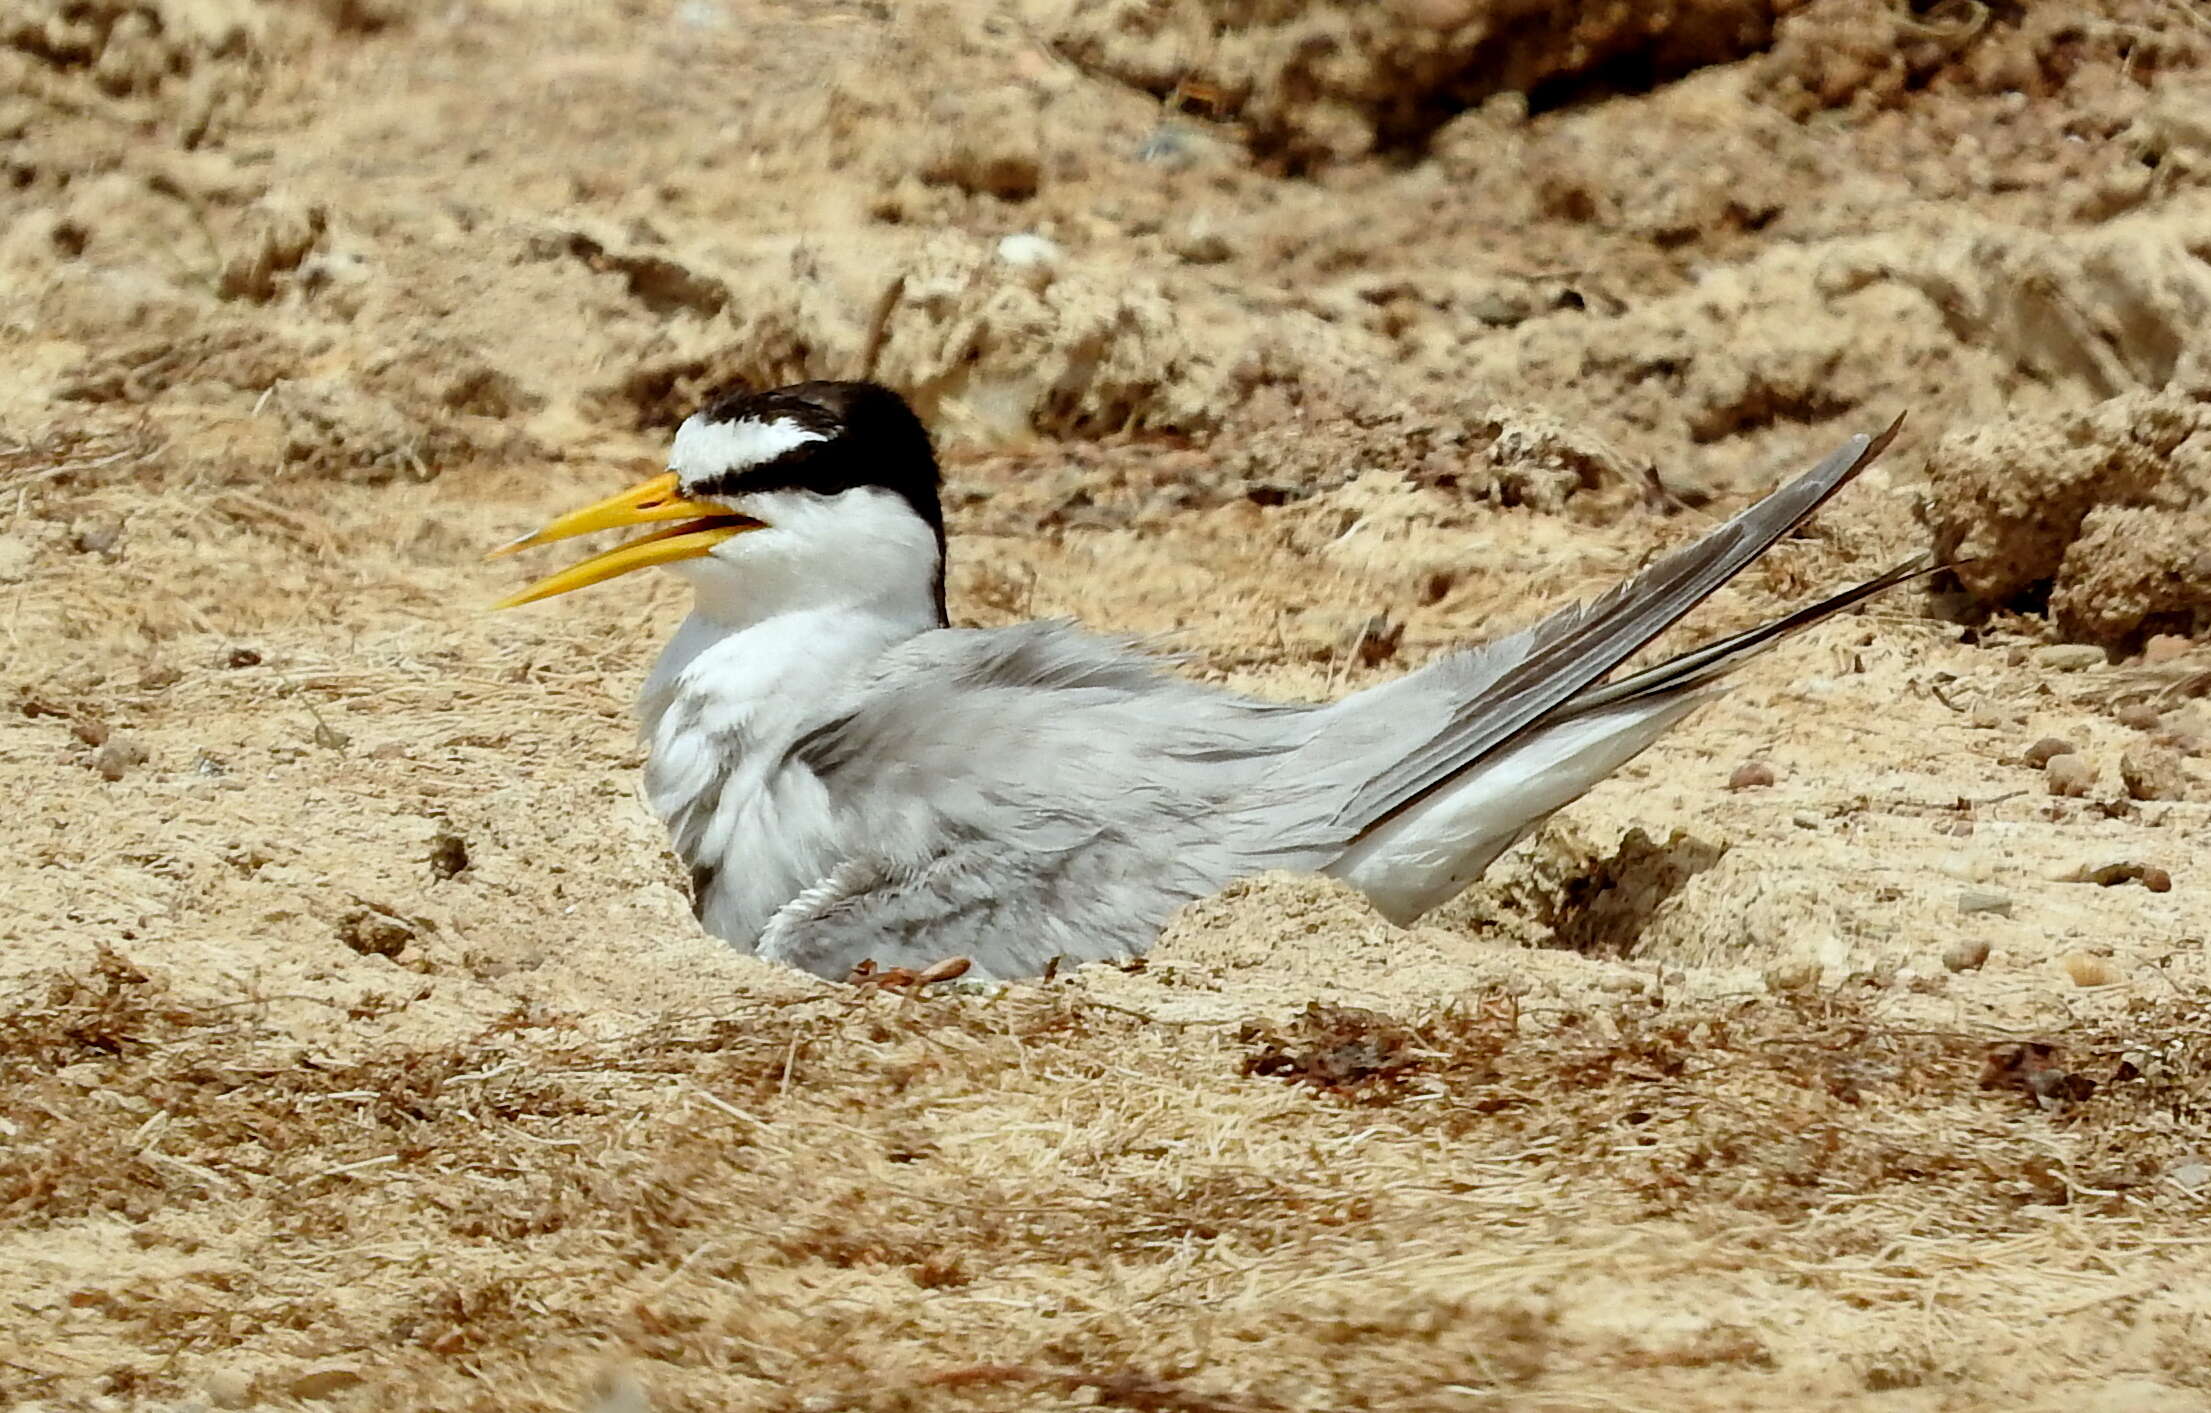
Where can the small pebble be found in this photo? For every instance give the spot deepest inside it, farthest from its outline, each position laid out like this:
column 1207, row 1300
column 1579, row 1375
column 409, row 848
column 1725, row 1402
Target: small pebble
column 2143, row 1064
column 242, row 657
column 2088, row 969
column 2069, row 657
column 1752, row 775
column 2191, row 1173
column 89, row 730
column 1965, row 954
column 1974, row 900
column 448, row 854
column 229, row 1388
column 322, row 1381
column 2153, row 772
column 100, row 538
column 2070, row 774
column 2141, row 716
column 2164, row 647
column 115, row 759
column 1792, row 976
column 1036, row 259
column 2041, row 752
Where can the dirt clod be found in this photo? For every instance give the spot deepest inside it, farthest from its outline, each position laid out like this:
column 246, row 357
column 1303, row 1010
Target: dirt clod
column 448, row 854
column 2166, row 647
column 1965, row 954
column 2088, row 969
column 2069, row 774
column 2153, row 772
column 117, row 756
column 2040, row 754
column 374, row 932
column 1752, row 775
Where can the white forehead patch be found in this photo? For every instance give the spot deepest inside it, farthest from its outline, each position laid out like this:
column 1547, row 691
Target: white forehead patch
column 705, row 448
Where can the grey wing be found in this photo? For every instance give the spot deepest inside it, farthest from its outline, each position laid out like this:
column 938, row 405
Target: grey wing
column 1385, row 750
column 1020, row 794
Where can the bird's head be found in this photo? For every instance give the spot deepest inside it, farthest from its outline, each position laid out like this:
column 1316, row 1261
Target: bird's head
column 801, row 496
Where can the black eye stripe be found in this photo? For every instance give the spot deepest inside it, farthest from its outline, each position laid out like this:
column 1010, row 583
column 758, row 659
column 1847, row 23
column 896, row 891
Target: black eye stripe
column 871, row 438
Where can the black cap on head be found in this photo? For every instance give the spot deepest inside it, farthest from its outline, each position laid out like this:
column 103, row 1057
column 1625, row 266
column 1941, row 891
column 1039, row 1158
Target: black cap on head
column 865, row 435
column 824, row 437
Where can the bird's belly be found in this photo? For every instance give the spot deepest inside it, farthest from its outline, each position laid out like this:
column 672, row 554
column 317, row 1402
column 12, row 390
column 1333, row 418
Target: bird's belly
column 753, row 839
column 751, row 865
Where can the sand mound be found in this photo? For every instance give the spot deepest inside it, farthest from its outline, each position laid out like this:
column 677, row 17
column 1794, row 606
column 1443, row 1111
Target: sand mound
column 2100, row 510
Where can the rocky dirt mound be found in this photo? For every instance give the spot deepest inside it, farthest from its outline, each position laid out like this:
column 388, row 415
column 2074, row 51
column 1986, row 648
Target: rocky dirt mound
column 2101, row 512
column 1311, row 84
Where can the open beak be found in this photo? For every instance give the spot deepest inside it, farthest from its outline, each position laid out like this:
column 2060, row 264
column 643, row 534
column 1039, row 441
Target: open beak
column 704, row 525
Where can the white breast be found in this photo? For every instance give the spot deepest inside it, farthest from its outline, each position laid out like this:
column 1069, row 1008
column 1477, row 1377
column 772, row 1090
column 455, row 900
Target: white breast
column 784, row 619
column 753, row 824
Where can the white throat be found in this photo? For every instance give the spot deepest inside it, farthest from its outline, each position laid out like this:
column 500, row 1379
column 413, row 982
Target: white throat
column 831, row 581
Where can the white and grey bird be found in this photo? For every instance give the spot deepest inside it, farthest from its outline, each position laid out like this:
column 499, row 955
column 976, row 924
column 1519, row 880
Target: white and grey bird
column 849, row 778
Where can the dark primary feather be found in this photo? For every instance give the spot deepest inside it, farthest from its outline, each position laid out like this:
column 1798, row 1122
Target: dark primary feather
column 1702, row 666
column 1580, row 645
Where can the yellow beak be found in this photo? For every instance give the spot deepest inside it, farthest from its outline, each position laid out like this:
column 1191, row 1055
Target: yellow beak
column 707, row 525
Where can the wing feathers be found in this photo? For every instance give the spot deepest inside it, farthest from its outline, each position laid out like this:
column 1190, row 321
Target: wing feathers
column 1715, row 660
column 1579, row 645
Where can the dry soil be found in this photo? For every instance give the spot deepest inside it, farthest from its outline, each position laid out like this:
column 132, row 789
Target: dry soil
column 359, row 1051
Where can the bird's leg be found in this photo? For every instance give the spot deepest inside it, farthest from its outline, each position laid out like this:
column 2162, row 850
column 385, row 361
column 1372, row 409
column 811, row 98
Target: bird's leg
column 866, row 974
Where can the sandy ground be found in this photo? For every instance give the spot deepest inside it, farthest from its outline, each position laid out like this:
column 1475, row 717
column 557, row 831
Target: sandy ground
column 358, row 1048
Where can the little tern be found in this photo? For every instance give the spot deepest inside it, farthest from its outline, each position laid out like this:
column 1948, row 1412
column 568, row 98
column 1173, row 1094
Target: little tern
column 850, row 779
